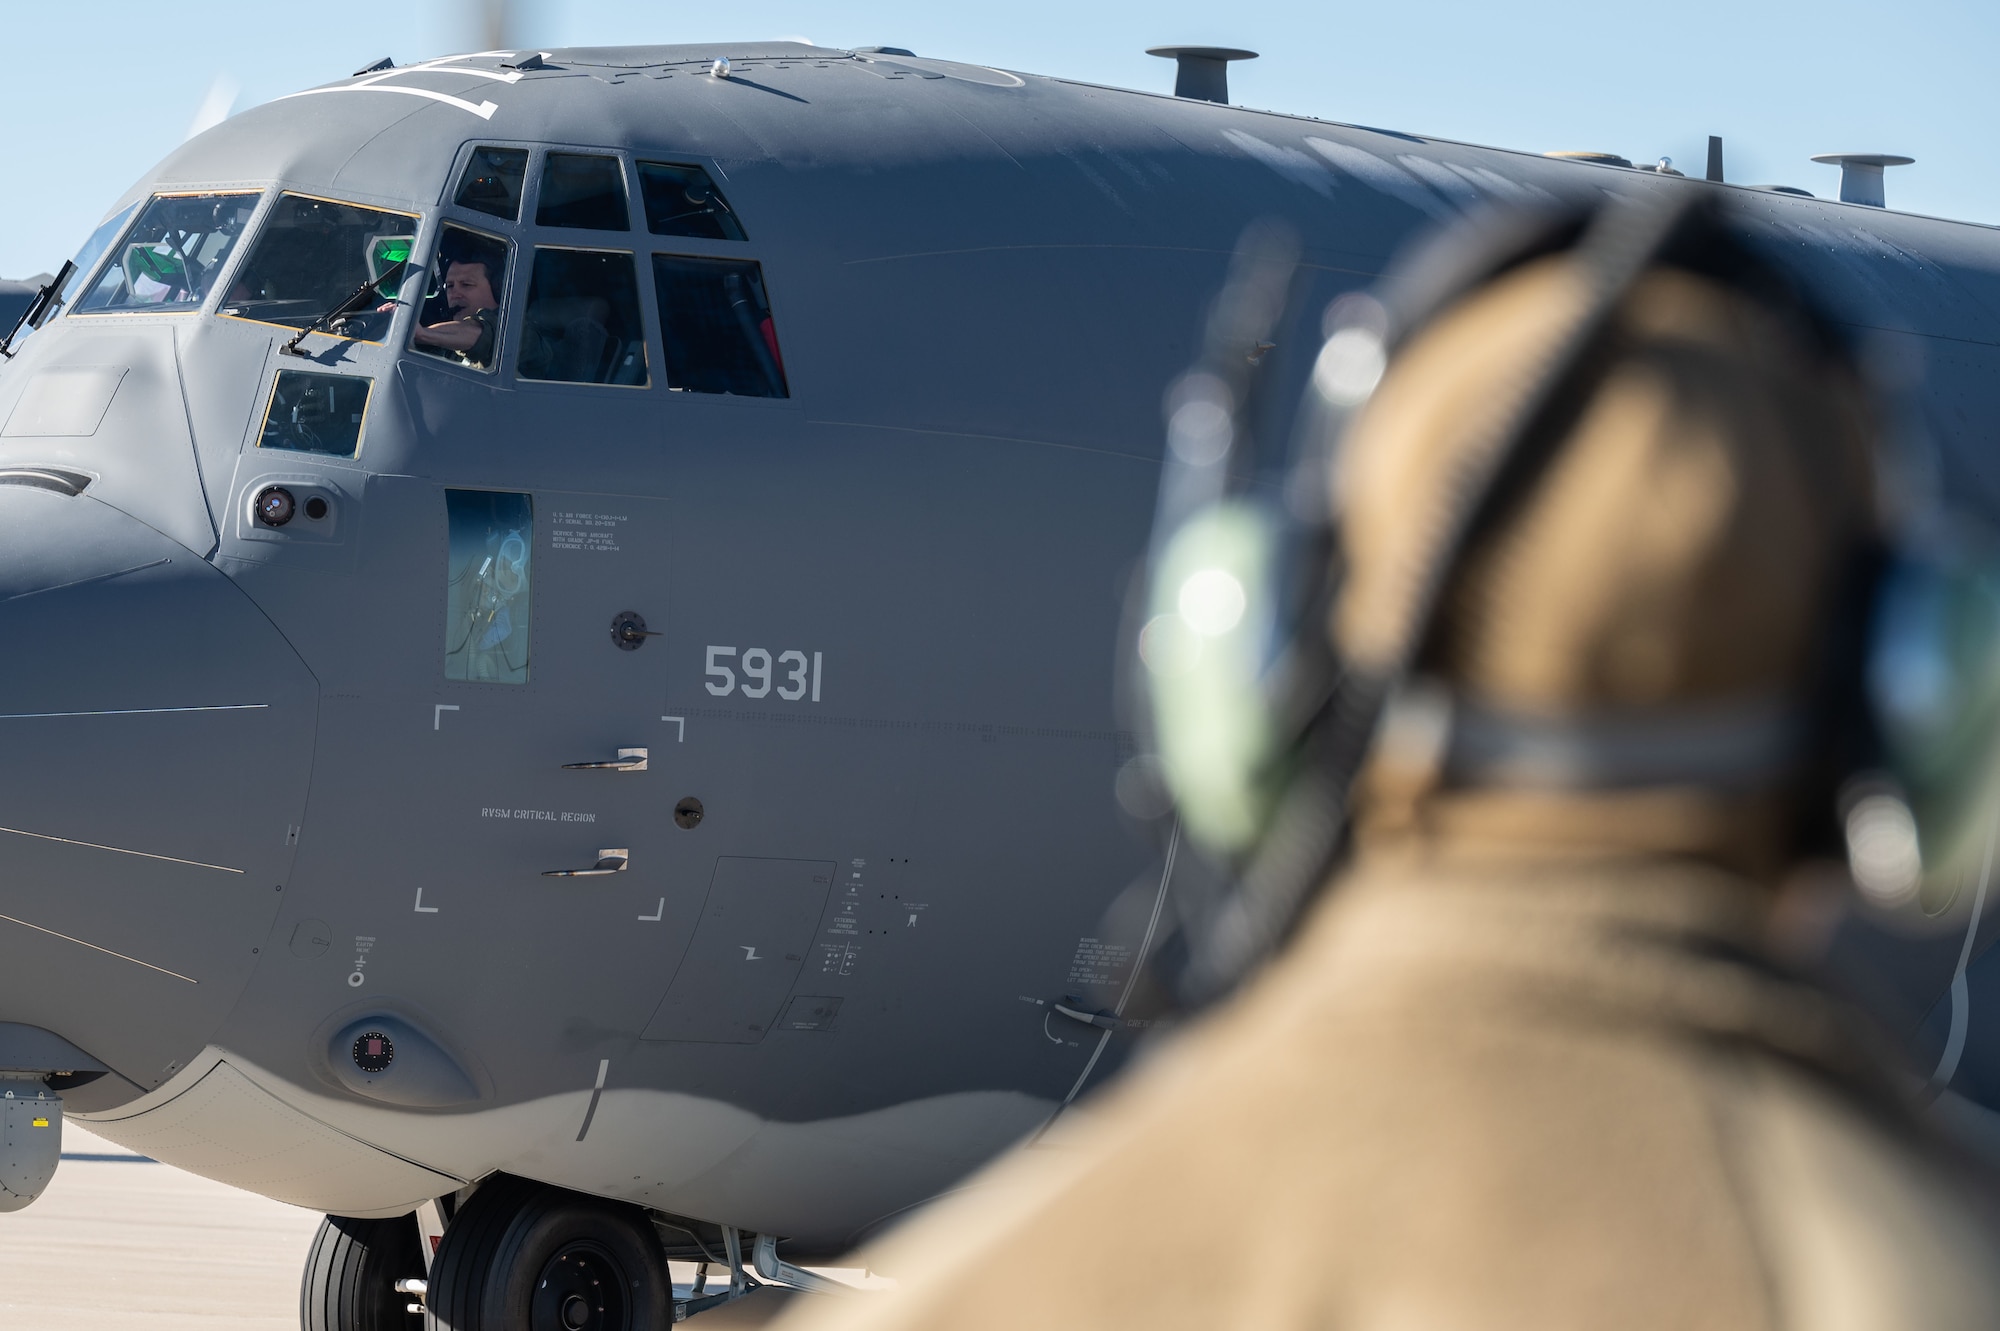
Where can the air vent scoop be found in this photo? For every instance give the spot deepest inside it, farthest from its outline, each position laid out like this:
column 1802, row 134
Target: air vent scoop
column 1861, row 175
column 1201, row 72
column 60, row 479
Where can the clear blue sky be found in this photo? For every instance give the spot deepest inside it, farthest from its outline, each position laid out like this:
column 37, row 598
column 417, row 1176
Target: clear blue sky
column 98, row 90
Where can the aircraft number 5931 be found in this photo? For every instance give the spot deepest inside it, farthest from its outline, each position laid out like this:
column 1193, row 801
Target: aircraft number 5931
column 794, row 676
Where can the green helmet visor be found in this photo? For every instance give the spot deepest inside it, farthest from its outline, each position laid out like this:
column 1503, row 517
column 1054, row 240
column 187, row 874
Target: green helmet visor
column 155, row 266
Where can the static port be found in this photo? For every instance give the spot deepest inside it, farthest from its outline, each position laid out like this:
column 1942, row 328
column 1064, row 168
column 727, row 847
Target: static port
column 315, row 508
column 275, row 506
column 688, row 812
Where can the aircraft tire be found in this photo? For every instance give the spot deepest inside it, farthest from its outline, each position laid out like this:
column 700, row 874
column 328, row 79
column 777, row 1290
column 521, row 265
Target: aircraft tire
column 351, row 1274
column 533, row 1254
column 458, row 1273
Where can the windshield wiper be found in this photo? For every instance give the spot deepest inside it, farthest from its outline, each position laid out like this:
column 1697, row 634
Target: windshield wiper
column 354, row 298
column 39, row 308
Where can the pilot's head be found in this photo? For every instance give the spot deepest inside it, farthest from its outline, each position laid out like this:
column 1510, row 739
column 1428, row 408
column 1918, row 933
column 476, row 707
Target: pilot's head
column 468, row 287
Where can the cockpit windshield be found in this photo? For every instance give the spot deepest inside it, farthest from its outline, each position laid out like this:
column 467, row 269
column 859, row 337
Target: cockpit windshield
column 314, row 253
column 172, row 254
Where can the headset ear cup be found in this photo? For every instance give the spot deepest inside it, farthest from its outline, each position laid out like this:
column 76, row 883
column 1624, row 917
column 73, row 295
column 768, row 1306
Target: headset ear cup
column 1215, row 418
column 1306, row 838
column 1205, row 648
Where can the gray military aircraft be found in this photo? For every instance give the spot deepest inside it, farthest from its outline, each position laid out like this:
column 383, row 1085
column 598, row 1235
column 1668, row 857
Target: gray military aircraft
column 560, row 614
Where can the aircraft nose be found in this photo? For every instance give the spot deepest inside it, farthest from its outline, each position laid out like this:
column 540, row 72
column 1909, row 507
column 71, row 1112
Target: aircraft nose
column 155, row 738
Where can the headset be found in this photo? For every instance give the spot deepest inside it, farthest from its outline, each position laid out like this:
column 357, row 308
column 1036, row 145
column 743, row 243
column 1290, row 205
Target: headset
column 1258, row 731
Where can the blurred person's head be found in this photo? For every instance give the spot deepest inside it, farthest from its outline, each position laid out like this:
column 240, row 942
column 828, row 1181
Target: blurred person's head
column 1605, row 549
column 1640, row 646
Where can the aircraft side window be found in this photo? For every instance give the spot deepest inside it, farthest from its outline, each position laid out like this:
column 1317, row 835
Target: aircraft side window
column 170, row 258
column 459, row 319
column 86, row 259
column 582, row 324
column 316, row 413
column 492, row 182
column 715, row 324
column 311, row 256
column 488, row 589
column 583, row 190
column 94, row 249
column 683, row 201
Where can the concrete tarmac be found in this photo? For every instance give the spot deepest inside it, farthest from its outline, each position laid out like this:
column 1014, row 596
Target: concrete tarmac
column 122, row 1243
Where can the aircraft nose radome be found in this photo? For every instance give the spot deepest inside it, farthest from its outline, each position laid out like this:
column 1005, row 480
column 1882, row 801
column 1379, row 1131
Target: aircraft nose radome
column 155, row 738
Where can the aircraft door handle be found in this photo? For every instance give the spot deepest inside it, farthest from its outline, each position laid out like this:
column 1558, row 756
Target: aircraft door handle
column 608, row 862
column 1073, row 1007
column 628, row 760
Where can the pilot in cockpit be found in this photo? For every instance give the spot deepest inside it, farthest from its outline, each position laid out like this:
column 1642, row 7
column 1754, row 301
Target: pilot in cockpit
column 459, row 314
column 469, row 291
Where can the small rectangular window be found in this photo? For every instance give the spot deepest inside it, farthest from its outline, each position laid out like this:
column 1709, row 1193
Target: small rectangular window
column 492, row 182
column 459, row 320
column 312, row 256
column 715, row 323
column 316, row 413
column 583, row 190
column 172, row 255
column 487, row 585
column 583, row 324
column 683, row 201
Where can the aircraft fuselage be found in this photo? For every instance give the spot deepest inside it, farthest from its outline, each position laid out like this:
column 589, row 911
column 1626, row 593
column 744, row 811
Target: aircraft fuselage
column 275, row 790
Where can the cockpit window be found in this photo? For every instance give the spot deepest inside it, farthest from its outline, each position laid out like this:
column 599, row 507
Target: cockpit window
column 172, row 254
column 583, row 190
column 313, row 254
column 715, row 322
column 492, row 182
column 583, row 319
column 683, row 201
column 94, row 248
column 488, row 570
column 316, row 413
column 460, row 317
column 86, row 259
